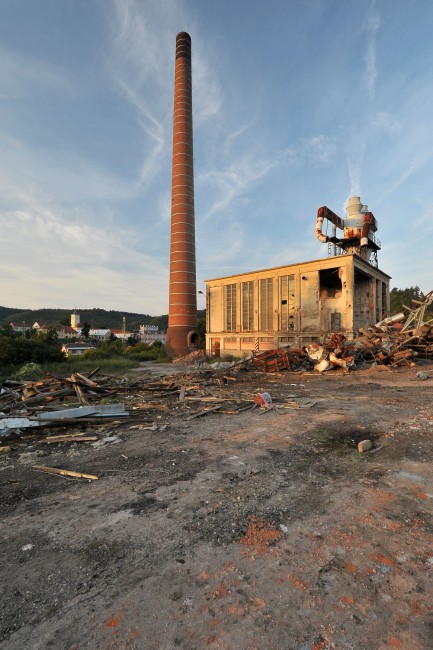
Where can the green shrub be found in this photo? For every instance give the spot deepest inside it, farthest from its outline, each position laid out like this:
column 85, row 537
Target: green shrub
column 28, row 372
column 18, row 351
column 144, row 352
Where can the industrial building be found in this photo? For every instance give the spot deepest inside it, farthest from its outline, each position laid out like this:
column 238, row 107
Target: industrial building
column 289, row 305
column 301, row 303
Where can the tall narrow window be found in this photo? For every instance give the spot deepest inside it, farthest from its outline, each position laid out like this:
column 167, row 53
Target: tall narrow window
column 266, row 304
column 231, row 308
column 247, row 306
column 378, row 300
column 384, row 301
column 287, row 302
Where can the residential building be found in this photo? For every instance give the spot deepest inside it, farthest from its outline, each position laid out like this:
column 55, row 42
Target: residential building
column 78, row 348
column 150, row 333
column 19, row 328
column 120, row 334
column 100, row 334
column 40, row 327
column 66, row 332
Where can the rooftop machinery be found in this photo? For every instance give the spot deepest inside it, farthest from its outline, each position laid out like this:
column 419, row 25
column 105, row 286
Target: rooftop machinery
column 358, row 229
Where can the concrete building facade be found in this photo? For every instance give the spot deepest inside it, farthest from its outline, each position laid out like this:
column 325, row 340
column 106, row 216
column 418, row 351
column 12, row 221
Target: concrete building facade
column 293, row 305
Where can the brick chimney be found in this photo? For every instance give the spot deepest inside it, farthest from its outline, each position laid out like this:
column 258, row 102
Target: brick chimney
column 182, row 333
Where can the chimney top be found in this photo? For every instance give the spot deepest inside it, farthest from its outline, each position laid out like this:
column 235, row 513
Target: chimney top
column 183, row 46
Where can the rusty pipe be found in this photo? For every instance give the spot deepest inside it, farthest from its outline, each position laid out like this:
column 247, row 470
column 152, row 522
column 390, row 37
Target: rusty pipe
column 366, row 229
column 326, row 213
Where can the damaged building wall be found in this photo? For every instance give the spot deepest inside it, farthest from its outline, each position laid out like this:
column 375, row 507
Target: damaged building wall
column 293, row 305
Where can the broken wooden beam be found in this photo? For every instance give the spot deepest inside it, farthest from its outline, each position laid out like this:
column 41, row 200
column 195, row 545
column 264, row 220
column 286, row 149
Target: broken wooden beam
column 64, row 472
column 205, row 412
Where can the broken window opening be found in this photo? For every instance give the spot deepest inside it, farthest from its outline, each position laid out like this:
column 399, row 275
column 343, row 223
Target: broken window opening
column 330, row 283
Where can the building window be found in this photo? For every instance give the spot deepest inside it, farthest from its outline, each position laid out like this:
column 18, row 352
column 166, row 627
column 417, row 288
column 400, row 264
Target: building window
column 287, row 300
column 231, row 308
column 247, row 306
column 384, row 301
column 266, row 304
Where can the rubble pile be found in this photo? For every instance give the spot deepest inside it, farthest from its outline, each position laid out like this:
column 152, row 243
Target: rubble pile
column 387, row 343
column 28, row 408
column 83, row 409
column 197, row 356
column 50, row 389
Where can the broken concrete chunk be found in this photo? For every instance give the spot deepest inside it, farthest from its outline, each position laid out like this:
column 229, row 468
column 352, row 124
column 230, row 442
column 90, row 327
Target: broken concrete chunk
column 5, row 450
column 364, row 445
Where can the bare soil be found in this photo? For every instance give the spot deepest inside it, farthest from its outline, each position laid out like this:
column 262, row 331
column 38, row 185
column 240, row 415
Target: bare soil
column 263, row 530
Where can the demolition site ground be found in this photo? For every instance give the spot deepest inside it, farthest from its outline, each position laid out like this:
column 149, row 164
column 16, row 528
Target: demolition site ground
column 236, row 529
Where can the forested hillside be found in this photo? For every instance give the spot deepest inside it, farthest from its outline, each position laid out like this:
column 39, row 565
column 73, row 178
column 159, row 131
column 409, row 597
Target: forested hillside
column 400, row 297
column 97, row 318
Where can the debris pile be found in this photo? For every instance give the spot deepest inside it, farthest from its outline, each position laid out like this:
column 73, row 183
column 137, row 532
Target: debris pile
column 386, row 343
column 281, row 359
column 198, row 356
column 50, row 389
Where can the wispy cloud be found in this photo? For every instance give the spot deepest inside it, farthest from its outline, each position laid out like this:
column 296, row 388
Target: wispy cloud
column 207, row 95
column 355, row 158
column 233, row 182
column 141, row 74
column 143, row 69
column 372, row 24
column 383, row 121
column 318, row 149
column 357, row 139
column 35, row 175
column 71, row 262
column 235, row 135
column 242, row 175
column 23, row 77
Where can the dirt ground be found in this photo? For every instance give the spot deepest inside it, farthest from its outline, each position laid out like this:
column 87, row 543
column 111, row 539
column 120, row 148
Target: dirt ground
column 262, row 530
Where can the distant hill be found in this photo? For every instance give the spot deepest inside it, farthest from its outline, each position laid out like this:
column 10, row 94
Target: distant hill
column 97, row 318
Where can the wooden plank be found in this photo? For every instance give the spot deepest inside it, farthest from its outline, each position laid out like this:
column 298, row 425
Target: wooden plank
column 48, row 396
column 80, row 395
column 72, row 438
column 198, row 415
column 87, row 381
column 182, row 393
column 64, row 472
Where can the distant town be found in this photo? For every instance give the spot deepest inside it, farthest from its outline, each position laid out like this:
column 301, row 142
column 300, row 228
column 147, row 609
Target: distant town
column 78, row 337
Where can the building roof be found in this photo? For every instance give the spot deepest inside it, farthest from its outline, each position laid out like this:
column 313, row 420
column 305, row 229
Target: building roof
column 67, row 329
column 293, row 264
column 79, row 345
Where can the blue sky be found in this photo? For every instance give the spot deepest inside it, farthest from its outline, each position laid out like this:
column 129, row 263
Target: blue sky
column 297, row 104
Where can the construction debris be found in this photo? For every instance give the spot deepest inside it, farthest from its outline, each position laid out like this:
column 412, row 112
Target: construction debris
column 364, row 445
column 28, row 408
column 386, row 343
column 198, row 356
column 64, row 472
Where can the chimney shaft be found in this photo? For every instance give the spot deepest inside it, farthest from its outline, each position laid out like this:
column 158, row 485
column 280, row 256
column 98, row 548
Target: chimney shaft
column 182, row 334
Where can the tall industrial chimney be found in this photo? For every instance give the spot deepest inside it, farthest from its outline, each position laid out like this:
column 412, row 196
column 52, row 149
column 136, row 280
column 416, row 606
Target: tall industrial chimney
column 182, row 333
